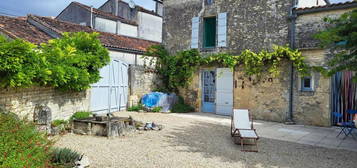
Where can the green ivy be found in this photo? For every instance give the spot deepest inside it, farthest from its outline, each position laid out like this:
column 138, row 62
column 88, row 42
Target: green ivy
column 177, row 70
column 71, row 62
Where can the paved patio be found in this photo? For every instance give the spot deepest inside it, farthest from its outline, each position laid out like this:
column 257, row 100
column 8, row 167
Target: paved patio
column 308, row 135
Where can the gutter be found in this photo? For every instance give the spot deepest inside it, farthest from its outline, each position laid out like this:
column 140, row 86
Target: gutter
column 292, row 17
column 126, row 50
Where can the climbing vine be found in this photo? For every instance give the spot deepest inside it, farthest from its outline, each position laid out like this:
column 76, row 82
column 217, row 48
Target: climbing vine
column 177, row 70
column 71, row 62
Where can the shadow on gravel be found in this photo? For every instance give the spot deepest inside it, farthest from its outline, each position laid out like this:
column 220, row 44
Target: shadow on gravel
column 214, row 140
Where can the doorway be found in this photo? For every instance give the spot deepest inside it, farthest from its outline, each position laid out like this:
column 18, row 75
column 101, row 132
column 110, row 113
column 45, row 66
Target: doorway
column 217, row 91
column 208, row 91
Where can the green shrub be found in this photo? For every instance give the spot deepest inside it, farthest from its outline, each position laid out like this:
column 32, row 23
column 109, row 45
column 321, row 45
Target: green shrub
column 156, row 109
column 64, row 157
column 21, row 145
column 19, row 63
column 71, row 62
column 136, row 108
column 182, row 107
column 81, row 115
column 56, row 123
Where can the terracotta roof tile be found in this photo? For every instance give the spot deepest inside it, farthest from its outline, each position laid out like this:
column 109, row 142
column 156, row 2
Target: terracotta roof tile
column 20, row 28
column 328, row 5
column 108, row 39
column 105, row 14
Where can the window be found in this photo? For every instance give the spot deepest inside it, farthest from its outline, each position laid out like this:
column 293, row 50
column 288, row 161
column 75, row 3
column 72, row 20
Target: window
column 209, row 2
column 209, row 35
column 306, row 84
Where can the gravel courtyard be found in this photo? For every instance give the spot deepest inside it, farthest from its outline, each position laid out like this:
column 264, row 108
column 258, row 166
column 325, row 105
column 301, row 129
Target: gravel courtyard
column 188, row 142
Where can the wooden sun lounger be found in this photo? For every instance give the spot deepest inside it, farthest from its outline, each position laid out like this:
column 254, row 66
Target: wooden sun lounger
column 242, row 128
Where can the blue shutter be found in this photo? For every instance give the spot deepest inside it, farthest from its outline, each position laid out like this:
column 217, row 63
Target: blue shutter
column 195, row 30
column 222, row 30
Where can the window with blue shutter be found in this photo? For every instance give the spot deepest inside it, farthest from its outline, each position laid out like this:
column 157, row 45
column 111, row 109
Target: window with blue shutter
column 209, row 35
column 222, row 30
column 195, row 31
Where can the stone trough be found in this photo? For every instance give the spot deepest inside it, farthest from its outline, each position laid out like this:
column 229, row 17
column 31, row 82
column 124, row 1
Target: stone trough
column 104, row 126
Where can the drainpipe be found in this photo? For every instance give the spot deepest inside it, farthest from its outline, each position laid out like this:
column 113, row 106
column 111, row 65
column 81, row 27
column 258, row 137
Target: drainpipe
column 116, row 8
column 292, row 16
column 91, row 16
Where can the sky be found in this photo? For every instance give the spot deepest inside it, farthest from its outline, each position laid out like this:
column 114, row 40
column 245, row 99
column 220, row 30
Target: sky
column 54, row 7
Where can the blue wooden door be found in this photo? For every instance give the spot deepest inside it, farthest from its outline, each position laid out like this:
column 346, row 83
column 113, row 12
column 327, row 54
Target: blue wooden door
column 208, row 91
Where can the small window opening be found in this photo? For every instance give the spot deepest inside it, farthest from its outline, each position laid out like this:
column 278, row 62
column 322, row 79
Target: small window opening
column 209, row 37
column 306, row 84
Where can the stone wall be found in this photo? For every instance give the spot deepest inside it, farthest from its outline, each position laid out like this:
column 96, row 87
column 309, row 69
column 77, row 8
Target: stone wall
column 313, row 108
column 258, row 25
column 251, row 25
column 254, row 25
column 62, row 104
column 267, row 97
column 142, row 81
column 307, row 25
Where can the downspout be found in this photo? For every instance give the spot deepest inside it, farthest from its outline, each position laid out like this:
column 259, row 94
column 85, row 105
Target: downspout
column 292, row 16
column 116, row 8
column 91, row 17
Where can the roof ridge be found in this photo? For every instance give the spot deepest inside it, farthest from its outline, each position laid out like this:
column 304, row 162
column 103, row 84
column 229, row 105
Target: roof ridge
column 103, row 13
column 35, row 17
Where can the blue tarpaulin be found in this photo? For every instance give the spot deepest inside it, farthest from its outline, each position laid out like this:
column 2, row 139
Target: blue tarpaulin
column 158, row 99
column 151, row 99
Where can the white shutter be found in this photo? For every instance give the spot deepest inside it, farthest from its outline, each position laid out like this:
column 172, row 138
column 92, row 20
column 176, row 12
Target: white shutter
column 222, row 30
column 195, row 30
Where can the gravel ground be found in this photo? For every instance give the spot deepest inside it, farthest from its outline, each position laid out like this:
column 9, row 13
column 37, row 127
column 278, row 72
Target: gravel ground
column 187, row 142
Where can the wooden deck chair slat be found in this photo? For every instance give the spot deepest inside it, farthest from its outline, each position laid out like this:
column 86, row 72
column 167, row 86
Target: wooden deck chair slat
column 242, row 127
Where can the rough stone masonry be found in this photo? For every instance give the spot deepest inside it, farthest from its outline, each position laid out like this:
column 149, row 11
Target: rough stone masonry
column 257, row 25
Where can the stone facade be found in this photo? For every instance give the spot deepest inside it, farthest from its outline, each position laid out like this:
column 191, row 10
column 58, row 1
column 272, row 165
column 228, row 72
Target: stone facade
column 311, row 23
column 259, row 25
column 249, row 26
column 313, row 108
column 142, row 80
column 62, row 104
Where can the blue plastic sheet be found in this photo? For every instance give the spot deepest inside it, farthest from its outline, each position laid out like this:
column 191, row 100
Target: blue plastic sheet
column 151, row 99
column 158, row 99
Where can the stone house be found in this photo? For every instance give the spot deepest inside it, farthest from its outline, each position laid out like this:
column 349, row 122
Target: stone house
column 232, row 26
column 117, row 17
column 120, row 79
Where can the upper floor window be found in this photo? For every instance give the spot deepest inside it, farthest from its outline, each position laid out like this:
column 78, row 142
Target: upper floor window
column 214, row 31
column 209, row 35
column 209, row 2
